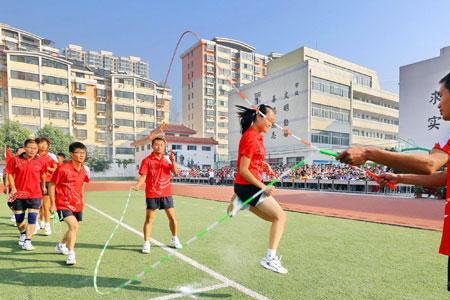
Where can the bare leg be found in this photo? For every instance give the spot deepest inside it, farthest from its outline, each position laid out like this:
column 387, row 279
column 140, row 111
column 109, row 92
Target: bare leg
column 149, row 217
column 270, row 209
column 172, row 221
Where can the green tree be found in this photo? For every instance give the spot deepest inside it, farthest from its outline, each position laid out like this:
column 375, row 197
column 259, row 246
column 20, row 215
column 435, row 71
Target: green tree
column 59, row 140
column 124, row 162
column 12, row 134
column 98, row 162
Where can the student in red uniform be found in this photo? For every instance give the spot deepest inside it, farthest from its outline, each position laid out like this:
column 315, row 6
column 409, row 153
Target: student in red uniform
column 51, row 161
column 7, row 187
column 26, row 176
column 155, row 172
column 67, row 195
column 425, row 164
column 248, row 181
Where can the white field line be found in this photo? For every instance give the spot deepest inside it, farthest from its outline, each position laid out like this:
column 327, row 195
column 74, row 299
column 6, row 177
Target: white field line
column 225, row 280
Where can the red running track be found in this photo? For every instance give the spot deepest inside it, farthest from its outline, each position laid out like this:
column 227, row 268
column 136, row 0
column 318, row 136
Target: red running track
column 418, row 213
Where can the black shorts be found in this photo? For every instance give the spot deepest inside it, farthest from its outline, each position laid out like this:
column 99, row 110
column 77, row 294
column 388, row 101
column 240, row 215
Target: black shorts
column 159, row 203
column 245, row 191
column 10, row 205
column 47, row 184
column 24, row 204
column 64, row 213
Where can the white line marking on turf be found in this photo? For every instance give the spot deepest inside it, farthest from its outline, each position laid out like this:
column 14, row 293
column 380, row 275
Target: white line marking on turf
column 192, row 293
column 187, row 259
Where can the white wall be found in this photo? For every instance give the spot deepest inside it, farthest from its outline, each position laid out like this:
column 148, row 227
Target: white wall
column 417, row 82
column 199, row 156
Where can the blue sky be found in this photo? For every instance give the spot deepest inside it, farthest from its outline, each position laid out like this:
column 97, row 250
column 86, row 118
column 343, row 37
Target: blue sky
column 382, row 35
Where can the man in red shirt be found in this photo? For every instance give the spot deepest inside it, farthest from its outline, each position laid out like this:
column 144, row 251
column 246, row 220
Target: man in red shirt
column 155, row 172
column 51, row 161
column 67, row 195
column 417, row 164
column 7, row 187
column 26, row 176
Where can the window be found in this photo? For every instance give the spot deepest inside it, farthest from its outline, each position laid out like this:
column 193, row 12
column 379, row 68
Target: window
column 124, row 136
column 223, row 60
column 123, row 94
column 177, row 147
column 143, row 84
column 26, row 111
column 56, row 114
column 53, row 64
column 286, row 107
column 80, row 87
column 100, row 136
column 101, row 93
column 25, row 59
column 191, row 148
column 123, row 150
column 101, row 107
column 206, row 148
column 148, row 98
column 80, row 133
column 144, row 124
column 24, row 76
column 80, row 118
column 124, row 108
column 54, row 80
column 80, row 102
column 58, row 98
column 100, row 121
column 330, row 87
column 330, row 112
column 27, row 94
column 145, row 111
column 358, row 78
column 124, row 122
column 330, row 137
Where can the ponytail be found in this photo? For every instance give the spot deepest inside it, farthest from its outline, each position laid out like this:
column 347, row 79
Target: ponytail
column 248, row 115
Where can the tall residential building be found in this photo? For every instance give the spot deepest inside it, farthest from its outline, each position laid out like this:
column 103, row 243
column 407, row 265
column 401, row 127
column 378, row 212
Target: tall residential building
column 131, row 65
column 420, row 121
column 329, row 101
column 104, row 110
column 205, row 88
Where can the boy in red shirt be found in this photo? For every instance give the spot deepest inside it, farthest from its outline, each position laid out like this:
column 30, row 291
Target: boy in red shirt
column 51, row 161
column 155, row 172
column 26, row 177
column 67, row 195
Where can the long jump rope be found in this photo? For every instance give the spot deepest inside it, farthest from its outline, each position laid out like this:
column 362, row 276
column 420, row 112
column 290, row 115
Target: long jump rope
column 225, row 217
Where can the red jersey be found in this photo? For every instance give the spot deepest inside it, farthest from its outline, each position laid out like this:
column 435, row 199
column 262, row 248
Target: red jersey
column 27, row 176
column 445, row 239
column 157, row 183
column 50, row 161
column 251, row 145
column 69, row 184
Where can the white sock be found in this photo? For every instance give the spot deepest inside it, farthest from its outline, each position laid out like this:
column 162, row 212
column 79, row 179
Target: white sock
column 174, row 237
column 71, row 252
column 271, row 253
column 41, row 224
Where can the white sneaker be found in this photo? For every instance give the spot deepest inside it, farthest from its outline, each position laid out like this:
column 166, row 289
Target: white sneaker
column 13, row 218
column 22, row 239
column 61, row 249
column 235, row 207
column 71, row 258
column 146, row 248
column 48, row 229
column 274, row 264
column 27, row 245
column 176, row 243
column 41, row 224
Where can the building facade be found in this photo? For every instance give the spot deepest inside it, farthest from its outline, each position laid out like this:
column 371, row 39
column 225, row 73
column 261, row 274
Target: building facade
column 105, row 110
column 420, row 122
column 329, row 101
column 131, row 65
column 206, row 67
column 189, row 150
